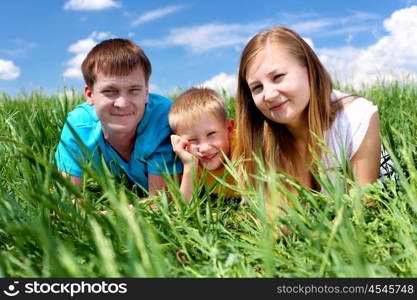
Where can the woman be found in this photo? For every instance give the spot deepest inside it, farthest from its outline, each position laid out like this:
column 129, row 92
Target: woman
column 286, row 105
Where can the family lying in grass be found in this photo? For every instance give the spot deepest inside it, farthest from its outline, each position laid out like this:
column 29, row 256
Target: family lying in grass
column 287, row 114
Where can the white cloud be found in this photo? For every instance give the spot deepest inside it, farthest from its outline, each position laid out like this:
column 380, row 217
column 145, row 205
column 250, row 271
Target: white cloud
column 81, row 49
column 347, row 30
column 90, row 4
column 291, row 16
column 391, row 57
column 355, row 22
column 82, row 45
column 339, row 61
column 8, row 70
column 312, row 26
column 358, row 16
column 69, row 94
column 21, row 47
column 156, row 14
column 207, row 37
column 222, row 82
column 309, row 42
column 153, row 88
column 73, row 73
column 349, row 38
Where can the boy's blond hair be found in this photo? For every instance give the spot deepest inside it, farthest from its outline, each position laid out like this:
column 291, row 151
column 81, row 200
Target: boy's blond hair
column 192, row 105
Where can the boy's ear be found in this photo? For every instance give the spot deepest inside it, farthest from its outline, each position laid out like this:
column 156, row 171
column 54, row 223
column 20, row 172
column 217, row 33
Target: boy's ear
column 88, row 92
column 230, row 127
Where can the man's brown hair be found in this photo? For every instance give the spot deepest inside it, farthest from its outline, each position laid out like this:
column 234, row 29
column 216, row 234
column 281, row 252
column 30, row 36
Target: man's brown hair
column 116, row 57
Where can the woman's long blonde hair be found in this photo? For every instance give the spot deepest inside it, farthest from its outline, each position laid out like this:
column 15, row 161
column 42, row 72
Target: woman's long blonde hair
column 273, row 141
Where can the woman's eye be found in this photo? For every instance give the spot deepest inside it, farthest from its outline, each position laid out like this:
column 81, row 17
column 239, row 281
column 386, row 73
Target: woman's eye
column 278, row 76
column 256, row 89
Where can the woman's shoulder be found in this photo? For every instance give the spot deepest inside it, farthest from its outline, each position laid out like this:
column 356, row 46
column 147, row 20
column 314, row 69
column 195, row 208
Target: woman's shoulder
column 351, row 122
column 353, row 105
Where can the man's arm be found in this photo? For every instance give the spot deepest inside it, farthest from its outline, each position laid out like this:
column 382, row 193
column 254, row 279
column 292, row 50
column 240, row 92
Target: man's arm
column 155, row 183
column 75, row 180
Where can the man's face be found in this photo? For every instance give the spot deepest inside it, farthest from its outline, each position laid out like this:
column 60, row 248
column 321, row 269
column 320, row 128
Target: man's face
column 119, row 100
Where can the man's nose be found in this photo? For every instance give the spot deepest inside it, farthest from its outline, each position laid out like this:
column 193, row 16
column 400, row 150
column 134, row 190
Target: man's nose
column 121, row 101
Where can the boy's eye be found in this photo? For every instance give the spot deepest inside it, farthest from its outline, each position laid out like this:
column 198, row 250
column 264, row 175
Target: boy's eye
column 211, row 133
column 192, row 141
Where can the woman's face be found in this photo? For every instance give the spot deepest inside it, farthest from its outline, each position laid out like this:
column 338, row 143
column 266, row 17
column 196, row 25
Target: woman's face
column 279, row 85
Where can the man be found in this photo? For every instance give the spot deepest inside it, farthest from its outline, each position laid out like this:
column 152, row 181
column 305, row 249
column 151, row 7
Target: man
column 120, row 120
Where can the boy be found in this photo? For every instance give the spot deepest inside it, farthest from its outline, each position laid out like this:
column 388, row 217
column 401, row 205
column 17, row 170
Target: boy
column 203, row 133
column 120, row 120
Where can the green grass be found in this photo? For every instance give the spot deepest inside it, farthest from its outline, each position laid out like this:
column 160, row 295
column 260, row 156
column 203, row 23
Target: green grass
column 44, row 235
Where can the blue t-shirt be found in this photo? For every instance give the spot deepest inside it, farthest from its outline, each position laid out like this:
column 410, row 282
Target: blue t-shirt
column 152, row 151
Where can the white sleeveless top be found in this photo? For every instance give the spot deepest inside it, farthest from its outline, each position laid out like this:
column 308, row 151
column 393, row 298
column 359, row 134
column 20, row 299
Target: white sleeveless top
column 348, row 130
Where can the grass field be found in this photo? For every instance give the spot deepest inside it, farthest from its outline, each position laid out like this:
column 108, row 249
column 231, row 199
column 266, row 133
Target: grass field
column 42, row 234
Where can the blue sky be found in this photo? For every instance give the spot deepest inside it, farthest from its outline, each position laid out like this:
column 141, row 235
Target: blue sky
column 199, row 42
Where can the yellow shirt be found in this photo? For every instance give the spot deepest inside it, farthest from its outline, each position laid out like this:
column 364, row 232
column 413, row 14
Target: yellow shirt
column 220, row 173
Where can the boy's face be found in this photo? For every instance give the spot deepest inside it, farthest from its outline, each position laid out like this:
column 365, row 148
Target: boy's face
column 119, row 100
column 207, row 140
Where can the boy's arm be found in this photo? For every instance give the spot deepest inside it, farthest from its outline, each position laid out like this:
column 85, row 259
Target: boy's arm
column 180, row 147
column 187, row 186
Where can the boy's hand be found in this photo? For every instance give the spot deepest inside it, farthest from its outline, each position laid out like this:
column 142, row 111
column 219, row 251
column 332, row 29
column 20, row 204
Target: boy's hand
column 180, row 147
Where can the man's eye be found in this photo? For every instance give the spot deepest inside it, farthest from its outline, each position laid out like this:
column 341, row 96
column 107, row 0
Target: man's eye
column 107, row 92
column 135, row 91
